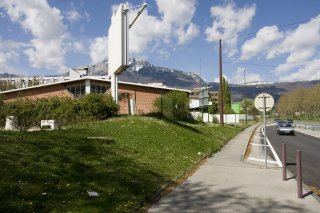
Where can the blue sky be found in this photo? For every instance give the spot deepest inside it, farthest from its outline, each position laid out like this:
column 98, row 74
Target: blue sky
column 274, row 40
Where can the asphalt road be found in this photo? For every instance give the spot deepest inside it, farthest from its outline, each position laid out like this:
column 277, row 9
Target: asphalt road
column 310, row 154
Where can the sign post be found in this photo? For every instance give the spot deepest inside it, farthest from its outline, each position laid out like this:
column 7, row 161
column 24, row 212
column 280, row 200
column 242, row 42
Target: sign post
column 264, row 102
column 204, row 100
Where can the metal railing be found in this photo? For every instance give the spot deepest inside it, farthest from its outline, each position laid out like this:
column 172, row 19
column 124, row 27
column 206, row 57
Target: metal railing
column 307, row 126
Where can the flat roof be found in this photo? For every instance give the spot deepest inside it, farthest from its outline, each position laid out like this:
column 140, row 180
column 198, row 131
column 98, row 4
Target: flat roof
column 93, row 78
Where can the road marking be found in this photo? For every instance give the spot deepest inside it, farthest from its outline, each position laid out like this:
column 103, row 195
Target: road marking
column 262, row 160
column 258, row 144
column 274, row 152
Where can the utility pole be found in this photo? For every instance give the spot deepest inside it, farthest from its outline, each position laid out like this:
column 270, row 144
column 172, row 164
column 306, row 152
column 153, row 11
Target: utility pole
column 220, row 77
column 245, row 98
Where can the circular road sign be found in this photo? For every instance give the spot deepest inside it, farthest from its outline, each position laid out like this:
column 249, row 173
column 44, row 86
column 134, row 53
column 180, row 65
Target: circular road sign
column 258, row 101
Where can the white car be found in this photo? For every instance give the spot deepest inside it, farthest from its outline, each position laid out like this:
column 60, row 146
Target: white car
column 285, row 128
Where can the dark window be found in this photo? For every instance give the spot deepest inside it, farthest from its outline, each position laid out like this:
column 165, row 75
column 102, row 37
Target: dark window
column 77, row 90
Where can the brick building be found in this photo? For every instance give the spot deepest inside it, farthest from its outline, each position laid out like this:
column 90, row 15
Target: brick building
column 133, row 98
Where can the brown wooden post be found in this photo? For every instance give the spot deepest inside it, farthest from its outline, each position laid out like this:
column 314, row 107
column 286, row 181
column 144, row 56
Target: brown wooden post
column 299, row 173
column 284, row 161
column 221, row 91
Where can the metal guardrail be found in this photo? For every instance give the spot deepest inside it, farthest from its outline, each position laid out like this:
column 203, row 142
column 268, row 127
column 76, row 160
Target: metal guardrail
column 307, row 126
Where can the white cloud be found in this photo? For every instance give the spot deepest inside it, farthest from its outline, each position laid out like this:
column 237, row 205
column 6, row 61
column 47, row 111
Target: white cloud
column 172, row 28
column 146, row 30
column 238, row 77
column 163, row 53
column 217, row 79
column 46, row 26
column 295, row 59
column 228, row 22
column 186, row 36
column 73, row 15
column 310, row 71
column 265, row 37
column 177, row 12
column 99, row 49
column 300, row 45
column 9, row 52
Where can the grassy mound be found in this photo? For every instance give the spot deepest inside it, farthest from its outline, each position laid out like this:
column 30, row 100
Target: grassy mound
column 125, row 160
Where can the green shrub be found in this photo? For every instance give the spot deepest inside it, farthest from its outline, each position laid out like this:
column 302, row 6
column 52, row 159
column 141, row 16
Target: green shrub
column 62, row 109
column 25, row 112
column 2, row 113
column 174, row 105
column 97, row 106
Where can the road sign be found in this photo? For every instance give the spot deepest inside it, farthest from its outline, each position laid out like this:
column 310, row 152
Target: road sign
column 118, row 41
column 269, row 101
column 204, row 97
column 264, row 102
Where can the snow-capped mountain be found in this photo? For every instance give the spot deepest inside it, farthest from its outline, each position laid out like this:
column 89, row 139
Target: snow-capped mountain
column 141, row 71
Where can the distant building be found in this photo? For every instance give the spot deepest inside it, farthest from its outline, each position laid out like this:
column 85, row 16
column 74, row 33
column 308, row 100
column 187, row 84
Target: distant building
column 134, row 98
column 194, row 98
column 236, row 107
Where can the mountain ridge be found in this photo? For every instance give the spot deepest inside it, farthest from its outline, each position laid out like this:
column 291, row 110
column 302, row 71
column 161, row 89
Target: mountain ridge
column 142, row 71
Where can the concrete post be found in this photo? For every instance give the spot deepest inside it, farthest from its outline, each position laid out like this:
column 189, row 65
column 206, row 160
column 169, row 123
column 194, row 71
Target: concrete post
column 114, row 87
column 88, row 86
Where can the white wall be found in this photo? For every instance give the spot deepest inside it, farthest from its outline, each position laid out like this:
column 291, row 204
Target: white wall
column 227, row 118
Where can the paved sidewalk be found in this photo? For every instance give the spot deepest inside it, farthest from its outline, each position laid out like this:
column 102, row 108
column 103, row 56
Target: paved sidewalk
column 227, row 184
column 314, row 133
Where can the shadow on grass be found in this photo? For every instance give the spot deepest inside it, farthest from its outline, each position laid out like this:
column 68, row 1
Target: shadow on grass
column 159, row 116
column 42, row 174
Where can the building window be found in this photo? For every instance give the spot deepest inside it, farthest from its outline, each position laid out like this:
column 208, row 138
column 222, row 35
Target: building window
column 77, row 90
column 99, row 88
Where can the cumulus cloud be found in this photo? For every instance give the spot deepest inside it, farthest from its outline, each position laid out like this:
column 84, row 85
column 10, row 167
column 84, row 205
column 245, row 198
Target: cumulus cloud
column 311, row 69
column 46, row 26
column 9, row 52
column 99, row 49
column 299, row 44
column 173, row 27
column 228, row 22
column 265, row 37
column 73, row 15
column 163, row 53
column 217, row 79
column 177, row 12
column 184, row 36
column 295, row 59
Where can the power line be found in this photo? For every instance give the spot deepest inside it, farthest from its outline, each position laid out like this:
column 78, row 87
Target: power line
column 265, row 65
column 279, row 27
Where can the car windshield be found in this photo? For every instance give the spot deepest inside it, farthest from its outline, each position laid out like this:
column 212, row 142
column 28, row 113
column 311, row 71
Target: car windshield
column 286, row 125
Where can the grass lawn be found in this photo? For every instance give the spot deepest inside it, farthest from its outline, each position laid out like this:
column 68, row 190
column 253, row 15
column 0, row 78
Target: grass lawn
column 52, row 171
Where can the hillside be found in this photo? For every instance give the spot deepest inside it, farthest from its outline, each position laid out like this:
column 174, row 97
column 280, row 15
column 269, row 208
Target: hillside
column 52, row 171
column 238, row 92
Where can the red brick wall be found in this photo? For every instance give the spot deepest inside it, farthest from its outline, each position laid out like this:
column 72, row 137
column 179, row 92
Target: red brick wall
column 144, row 97
column 41, row 92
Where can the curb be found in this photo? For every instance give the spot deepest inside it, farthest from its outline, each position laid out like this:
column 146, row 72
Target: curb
column 246, row 149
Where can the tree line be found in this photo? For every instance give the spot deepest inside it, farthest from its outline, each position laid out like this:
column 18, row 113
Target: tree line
column 301, row 103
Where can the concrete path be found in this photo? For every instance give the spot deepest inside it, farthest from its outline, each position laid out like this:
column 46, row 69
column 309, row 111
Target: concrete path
column 227, row 184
